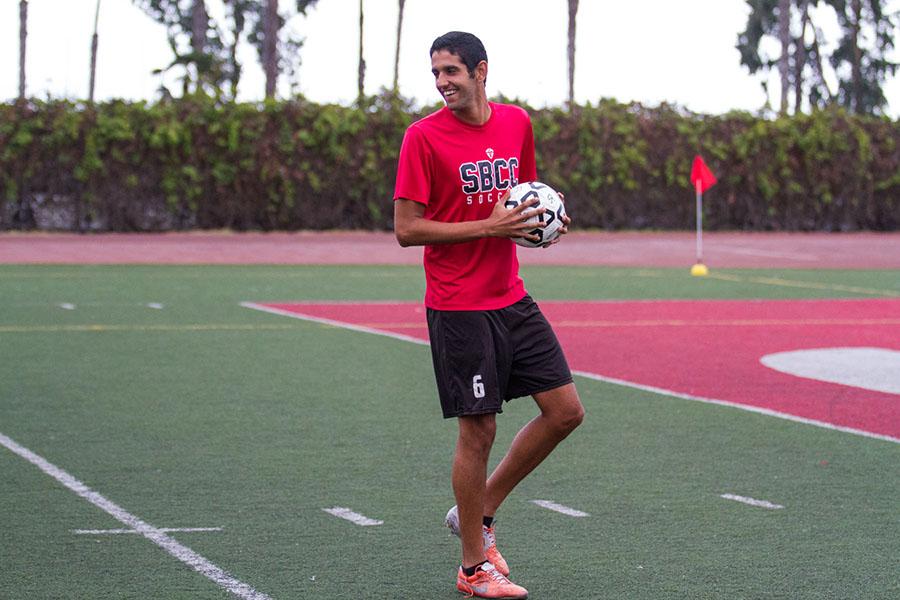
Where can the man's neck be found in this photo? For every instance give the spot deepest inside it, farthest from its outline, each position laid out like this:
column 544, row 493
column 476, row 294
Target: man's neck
column 476, row 115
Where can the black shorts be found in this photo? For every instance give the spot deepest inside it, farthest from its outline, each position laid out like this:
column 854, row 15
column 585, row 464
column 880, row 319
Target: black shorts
column 483, row 357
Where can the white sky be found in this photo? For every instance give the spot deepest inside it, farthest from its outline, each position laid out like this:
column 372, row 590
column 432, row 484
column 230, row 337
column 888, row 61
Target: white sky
column 679, row 51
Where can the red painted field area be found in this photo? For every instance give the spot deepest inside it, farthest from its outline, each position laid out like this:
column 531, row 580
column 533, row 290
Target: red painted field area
column 710, row 350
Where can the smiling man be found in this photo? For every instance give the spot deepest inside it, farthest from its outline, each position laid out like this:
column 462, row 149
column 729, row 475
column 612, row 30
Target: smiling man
column 489, row 341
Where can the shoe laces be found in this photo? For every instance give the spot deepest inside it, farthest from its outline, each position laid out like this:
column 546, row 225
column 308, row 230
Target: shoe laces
column 491, row 571
column 489, row 538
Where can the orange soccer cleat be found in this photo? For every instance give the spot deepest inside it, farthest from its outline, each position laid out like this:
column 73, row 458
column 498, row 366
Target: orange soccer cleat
column 488, row 582
column 490, row 541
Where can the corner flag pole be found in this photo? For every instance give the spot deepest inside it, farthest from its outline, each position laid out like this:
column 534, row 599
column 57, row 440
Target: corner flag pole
column 699, row 269
column 699, row 189
column 703, row 179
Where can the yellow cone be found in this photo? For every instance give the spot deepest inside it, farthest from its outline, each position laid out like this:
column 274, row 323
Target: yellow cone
column 699, row 270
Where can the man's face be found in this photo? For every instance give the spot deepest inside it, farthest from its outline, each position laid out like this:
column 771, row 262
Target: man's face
column 451, row 77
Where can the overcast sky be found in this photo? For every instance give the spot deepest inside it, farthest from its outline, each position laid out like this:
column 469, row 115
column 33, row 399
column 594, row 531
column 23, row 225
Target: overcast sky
column 679, row 51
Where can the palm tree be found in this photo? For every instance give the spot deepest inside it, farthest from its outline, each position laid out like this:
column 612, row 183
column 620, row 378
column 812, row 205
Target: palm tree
column 362, row 62
column 239, row 13
column 784, row 34
column 23, row 33
column 199, row 25
column 270, row 46
column 856, row 85
column 573, row 10
column 94, row 38
column 397, row 53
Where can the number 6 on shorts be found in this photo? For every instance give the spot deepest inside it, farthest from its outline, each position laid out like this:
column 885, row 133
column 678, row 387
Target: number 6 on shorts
column 477, row 387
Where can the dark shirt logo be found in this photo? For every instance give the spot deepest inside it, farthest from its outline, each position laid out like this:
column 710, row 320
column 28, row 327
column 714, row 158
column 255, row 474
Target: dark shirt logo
column 486, row 176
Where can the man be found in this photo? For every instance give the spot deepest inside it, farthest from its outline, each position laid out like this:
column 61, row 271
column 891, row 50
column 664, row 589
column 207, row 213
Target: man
column 489, row 340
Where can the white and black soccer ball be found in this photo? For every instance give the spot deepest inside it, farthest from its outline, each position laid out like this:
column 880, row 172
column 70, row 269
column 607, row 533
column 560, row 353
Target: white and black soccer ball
column 553, row 217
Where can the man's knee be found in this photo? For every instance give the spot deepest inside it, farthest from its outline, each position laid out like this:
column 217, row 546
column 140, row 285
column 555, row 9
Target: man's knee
column 574, row 417
column 563, row 409
column 566, row 418
column 477, row 432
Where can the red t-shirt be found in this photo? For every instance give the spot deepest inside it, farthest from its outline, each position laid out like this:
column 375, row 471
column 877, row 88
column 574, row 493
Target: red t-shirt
column 459, row 171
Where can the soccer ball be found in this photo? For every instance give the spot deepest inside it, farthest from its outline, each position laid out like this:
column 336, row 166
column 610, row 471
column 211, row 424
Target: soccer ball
column 547, row 198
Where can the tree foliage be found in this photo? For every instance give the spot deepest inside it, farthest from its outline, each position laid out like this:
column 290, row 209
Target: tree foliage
column 197, row 45
column 206, row 50
column 858, row 62
column 865, row 65
column 286, row 56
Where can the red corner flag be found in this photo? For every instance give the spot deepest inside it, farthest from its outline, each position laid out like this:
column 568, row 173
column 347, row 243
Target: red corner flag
column 701, row 176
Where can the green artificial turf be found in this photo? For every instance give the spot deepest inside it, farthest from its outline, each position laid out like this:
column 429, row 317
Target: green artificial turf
column 202, row 413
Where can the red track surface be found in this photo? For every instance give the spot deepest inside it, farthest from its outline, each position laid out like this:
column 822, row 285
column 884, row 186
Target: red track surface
column 720, row 249
column 705, row 349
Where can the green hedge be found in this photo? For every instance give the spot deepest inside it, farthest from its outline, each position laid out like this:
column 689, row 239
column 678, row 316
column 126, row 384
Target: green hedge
column 192, row 163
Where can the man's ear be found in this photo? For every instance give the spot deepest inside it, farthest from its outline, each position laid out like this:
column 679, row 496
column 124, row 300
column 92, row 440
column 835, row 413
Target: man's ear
column 481, row 70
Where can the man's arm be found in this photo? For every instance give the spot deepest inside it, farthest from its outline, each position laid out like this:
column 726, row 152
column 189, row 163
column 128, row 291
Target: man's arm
column 413, row 229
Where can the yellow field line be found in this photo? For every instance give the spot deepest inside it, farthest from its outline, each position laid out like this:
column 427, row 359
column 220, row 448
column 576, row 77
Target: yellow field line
column 96, row 327
column 810, row 285
column 46, row 275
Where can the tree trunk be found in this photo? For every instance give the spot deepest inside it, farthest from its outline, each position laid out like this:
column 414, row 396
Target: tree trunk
column 396, row 87
column 361, row 79
column 94, row 39
column 820, row 70
column 270, row 47
column 856, row 96
column 199, row 24
column 234, row 67
column 23, row 216
column 573, row 11
column 23, row 34
column 800, row 55
column 784, row 35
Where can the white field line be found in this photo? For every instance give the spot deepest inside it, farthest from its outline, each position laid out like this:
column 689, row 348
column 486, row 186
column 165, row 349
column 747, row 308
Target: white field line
column 353, row 517
column 560, row 508
column 752, row 501
column 341, row 324
column 155, row 535
column 163, row 529
column 596, row 377
column 753, row 409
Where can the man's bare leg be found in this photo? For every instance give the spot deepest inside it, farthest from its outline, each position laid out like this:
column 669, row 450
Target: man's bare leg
column 561, row 413
column 473, row 447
